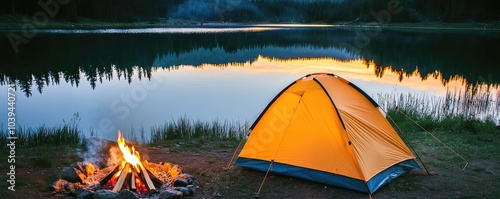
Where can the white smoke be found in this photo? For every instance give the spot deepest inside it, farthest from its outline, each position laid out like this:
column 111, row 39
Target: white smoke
column 100, row 152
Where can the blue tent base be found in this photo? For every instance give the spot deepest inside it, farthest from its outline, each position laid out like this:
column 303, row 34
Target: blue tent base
column 370, row 187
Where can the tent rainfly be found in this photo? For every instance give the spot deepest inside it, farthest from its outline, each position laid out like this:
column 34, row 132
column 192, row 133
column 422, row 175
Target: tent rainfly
column 325, row 129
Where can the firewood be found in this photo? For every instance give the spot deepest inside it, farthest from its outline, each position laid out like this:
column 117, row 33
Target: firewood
column 157, row 182
column 132, row 181
column 110, row 175
column 147, row 180
column 126, row 184
column 121, row 179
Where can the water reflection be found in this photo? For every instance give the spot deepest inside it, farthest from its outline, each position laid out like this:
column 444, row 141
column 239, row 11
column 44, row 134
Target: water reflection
column 49, row 58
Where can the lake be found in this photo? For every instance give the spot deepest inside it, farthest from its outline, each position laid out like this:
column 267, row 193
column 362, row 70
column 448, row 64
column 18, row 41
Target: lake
column 138, row 78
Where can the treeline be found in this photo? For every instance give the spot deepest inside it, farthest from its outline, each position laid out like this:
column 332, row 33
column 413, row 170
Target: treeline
column 328, row 11
column 107, row 10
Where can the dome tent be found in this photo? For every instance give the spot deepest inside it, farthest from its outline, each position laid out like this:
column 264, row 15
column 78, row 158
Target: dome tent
column 325, row 129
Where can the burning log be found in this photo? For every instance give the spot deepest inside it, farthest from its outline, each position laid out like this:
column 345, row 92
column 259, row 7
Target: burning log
column 132, row 182
column 149, row 183
column 127, row 177
column 156, row 181
column 121, row 179
column 110, row 175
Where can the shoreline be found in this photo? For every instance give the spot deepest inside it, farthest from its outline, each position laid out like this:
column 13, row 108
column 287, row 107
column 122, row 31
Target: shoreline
column 16, row 24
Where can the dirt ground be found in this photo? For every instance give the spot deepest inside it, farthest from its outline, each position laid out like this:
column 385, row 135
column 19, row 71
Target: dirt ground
column 209, row 164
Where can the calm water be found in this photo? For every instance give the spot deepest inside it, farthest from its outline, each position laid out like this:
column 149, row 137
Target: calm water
column 130, row 79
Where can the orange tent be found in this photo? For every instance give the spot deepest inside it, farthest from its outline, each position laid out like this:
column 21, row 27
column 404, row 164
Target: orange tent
column 325, row 129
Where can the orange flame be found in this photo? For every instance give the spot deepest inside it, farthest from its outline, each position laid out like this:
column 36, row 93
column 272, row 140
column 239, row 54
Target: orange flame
column 130, row 155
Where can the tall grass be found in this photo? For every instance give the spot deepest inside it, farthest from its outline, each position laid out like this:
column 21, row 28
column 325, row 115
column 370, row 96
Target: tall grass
column 470, row 111
column 185, row 128
column 471, row 104
column 53, row 136
column 66, row 134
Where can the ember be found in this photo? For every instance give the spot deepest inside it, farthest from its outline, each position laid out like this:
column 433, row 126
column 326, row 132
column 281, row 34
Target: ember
column 130, row 176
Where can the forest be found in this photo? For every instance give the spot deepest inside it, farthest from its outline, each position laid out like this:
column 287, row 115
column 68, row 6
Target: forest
column 275, row 11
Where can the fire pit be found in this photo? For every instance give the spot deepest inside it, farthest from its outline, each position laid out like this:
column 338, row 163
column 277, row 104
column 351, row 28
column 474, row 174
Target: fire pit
column 131, row 177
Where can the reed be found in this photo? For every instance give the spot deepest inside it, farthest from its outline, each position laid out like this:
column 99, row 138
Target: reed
column 457, row 109
column 478, row 103
column 186, row 128
column 43, row 135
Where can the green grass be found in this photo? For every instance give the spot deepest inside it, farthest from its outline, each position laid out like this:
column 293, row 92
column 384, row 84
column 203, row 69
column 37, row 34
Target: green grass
column 63, row 135
column 460, row 123
column 470, row 109
column 185, row 128
column 67, row 134
column 197, row 144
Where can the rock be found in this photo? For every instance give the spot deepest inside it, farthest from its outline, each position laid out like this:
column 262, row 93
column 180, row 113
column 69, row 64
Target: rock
column 85, row 195
column 95, row 187
column 105, row 194
column 184, row 190
column 76, row 192
column 190, row 178
column 73, row 175
column 170, row 194
column 192, row 189
column 127, row 194
column 216, row 195
column 180, row 182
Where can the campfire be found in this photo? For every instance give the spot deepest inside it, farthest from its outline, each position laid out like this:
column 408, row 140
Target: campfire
column 131, row 175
